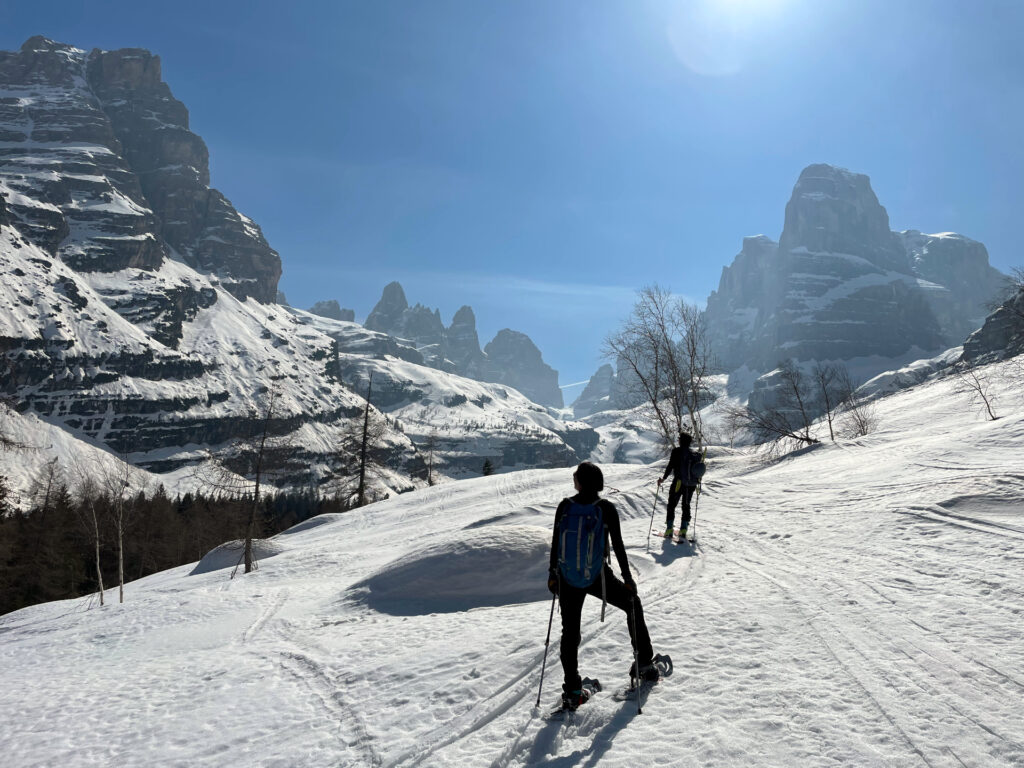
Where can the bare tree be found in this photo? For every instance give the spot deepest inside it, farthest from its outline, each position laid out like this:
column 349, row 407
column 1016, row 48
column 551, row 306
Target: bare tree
column 45, row 485
column 241, row 469
column 825, row 377
column 117, row 483
column 786, row 421
column 364, row 446
column 664, row 359
column 858, row 415
column 87, row 492
column 975, row 383
column 430, row 447
column 356, row 464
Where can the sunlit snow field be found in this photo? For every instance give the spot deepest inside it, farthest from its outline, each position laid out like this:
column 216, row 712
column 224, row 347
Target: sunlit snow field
column 858, row 604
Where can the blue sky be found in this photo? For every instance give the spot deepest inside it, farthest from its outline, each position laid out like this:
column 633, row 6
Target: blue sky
column 540, row 160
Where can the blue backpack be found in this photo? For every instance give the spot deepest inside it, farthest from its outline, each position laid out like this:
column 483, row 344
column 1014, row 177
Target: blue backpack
column 581, row 538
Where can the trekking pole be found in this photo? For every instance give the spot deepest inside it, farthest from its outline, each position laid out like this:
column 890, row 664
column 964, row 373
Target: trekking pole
column 547, row 640
column 696, row 503
column 653, row 510
column 636, row 657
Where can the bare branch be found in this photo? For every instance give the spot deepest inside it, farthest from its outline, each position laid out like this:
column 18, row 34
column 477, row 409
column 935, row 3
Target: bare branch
column 663, row 359
column 859, row 416
column 975, row 383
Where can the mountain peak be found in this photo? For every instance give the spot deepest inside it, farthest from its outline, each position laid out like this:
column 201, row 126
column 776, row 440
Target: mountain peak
column 40, row 43
column 833, row 210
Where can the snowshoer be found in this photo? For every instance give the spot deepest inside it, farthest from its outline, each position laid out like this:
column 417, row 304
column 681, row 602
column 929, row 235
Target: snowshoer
column 583, row 526
column 681, row 464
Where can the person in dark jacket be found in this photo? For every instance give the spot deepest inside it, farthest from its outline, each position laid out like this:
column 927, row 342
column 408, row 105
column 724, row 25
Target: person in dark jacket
column 589, row 482
column 683, row 486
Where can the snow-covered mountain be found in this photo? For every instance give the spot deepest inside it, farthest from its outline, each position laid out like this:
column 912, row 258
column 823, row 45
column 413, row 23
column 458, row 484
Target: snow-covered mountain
column 510, row 358
column 856, row 604
column 137, row 311
column 839, row 285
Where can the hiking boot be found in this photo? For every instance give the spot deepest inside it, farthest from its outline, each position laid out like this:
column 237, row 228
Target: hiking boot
column 572, row 700
column 682, row 534
column 668, row 532
column 648, row 672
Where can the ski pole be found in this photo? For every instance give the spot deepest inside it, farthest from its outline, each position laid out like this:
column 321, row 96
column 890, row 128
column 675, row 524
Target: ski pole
column 653, row 510
column 696, row 503
column 636, row 657
column 547, row 640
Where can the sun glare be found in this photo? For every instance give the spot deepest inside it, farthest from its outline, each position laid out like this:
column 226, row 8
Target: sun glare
column 711, row 37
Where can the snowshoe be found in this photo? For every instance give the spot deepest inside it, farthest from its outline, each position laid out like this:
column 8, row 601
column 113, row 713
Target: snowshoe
column 661, row 662
column 573, row 700
column 649, row 673
column 660, row 666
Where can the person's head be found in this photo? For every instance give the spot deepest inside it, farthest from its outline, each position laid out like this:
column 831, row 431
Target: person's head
column 685, row 438
column 588, row 479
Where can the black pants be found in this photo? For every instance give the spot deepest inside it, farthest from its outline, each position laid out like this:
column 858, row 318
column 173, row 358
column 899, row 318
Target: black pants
column 570, row 601
column 685, row 493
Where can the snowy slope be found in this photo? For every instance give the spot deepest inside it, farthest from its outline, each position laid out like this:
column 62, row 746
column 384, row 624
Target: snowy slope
column 858, row 604
column 82, row 353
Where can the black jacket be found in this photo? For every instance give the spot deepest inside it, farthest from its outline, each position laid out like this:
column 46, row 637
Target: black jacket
column 610, row 516
column 679, row 464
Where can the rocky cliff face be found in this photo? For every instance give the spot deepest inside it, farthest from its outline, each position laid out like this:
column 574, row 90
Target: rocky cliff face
column 135, row 308
column 1002, row 334
column 515, row 360
column 330, row 309
column 840, row 285
column 510, row 358
column 596, row 396
column 102, row 171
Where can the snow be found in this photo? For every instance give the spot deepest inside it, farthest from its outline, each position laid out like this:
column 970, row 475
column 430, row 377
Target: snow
column 76, row 456
column 230, row 554
column 488, row 566
column 856, row 604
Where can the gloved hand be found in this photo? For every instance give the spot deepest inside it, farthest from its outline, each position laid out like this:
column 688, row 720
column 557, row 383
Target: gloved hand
column 553, row 582
column 630, row 587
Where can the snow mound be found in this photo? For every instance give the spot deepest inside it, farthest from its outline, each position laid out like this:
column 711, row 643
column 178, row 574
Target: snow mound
column 497, row 565
column 229, row 554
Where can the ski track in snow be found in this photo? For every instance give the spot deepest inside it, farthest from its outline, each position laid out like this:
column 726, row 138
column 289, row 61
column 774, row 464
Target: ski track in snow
column 860, row 604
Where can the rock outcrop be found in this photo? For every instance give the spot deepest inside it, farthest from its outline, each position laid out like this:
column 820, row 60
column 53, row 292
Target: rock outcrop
column 102, row 171
column 510, row 358
column 840, row 285
column 1002, row 334
column 596, row 396
column 462, row 345
column 333, row 310
column 515, row 360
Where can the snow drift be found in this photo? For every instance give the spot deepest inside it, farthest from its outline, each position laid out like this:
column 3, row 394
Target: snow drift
column 230, row 554
column 500, row 565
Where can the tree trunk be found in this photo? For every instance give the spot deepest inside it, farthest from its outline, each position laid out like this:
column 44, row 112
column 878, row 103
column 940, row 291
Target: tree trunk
column 96, row 539
column 251, row 528
column 120, row 557
column 361, row 491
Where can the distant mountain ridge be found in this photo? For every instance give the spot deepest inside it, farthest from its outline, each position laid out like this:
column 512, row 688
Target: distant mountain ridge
column 510, row 358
